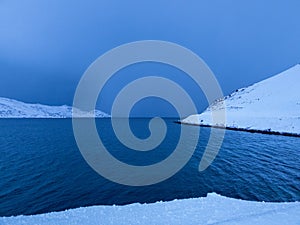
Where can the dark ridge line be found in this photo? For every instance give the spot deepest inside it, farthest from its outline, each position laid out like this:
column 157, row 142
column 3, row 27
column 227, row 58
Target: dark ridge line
column 243, row 129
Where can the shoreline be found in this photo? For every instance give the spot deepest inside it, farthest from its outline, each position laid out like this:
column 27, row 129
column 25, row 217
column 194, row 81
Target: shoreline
column 242, row 129
column 202, row 210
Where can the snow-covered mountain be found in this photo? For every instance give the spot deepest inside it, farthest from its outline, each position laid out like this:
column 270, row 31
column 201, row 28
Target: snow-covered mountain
column 10, row 108
column 272, row 105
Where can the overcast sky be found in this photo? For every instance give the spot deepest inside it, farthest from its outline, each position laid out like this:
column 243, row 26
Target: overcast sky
column 45, row 46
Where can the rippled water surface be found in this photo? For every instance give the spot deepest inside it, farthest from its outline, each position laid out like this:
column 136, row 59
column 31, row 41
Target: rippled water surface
column 42, row 170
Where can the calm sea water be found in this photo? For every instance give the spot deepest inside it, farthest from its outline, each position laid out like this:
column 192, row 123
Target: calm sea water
column 42, row 170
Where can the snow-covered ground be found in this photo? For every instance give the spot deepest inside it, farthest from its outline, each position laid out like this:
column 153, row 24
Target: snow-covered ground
column 10, row 108
column 270, row 105
column 213, row 209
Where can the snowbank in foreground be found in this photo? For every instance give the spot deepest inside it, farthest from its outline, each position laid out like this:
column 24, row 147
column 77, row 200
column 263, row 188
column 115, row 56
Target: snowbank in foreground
column 10, row 108
column 214, row 209
column 270, row 105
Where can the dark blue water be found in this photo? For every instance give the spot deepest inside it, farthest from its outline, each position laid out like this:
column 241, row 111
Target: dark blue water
column 42, row 170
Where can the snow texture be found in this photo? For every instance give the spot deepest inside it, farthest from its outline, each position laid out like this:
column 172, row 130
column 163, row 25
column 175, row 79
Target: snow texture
column 272, row 105
column 213, row 209
column 10, row 108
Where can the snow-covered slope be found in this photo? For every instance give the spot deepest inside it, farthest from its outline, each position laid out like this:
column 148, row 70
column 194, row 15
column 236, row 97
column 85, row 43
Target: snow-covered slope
column 15, row 109
column 213, row 209
column 270, row 105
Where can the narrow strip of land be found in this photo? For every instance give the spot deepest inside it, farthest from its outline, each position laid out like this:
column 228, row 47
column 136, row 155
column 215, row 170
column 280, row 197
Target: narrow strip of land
column 242, row 129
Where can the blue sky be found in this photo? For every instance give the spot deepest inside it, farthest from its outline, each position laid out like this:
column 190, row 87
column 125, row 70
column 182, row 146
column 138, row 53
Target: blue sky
column 45, row 46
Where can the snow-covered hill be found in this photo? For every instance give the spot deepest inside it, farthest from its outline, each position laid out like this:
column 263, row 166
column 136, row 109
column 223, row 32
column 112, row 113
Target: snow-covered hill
column 272, row 105
column 15, row 109
column 213, row 209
